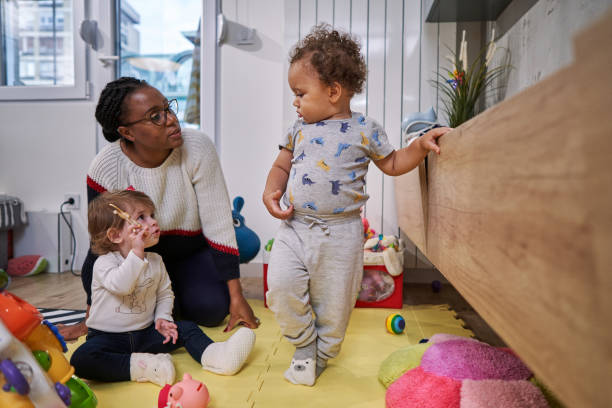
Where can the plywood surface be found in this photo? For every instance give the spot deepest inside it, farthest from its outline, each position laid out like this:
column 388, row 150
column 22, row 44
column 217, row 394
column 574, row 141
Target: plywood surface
column 519, row 219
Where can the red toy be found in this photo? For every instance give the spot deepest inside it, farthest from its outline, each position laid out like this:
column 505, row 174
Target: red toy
column 367, row 231
column 188, row 393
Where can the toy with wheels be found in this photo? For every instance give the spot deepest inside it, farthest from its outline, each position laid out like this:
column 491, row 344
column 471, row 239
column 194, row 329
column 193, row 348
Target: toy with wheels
column 35, row 372
column 5, row 280
column 395, row 323
column 248, row 241
column 23, row 374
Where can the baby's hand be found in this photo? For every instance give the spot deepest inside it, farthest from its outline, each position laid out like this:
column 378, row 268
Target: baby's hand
column 138, row 236
column 167, row 329
column 429, row 141
column 272, row 202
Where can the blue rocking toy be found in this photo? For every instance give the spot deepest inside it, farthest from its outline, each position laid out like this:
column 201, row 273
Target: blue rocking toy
column 248, row 241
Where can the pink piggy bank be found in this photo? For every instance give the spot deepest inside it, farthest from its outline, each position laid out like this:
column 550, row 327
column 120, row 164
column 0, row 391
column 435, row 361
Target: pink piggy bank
column 188, row 393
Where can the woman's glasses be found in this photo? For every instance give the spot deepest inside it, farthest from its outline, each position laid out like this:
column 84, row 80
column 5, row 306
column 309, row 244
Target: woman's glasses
column 160, row 116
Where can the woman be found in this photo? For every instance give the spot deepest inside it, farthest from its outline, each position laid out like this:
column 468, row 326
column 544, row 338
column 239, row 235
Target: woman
column 180, row 171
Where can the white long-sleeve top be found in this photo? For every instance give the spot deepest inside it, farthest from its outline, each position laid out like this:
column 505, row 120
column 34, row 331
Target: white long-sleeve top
column 129, row 293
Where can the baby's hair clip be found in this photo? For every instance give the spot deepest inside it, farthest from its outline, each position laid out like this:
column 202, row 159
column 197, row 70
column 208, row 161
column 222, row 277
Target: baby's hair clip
column 118, row 211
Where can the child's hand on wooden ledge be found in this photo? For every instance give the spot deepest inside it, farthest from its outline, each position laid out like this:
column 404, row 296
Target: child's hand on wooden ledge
column 429, row 141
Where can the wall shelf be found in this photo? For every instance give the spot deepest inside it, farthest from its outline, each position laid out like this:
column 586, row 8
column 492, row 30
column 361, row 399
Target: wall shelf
column 445, row 11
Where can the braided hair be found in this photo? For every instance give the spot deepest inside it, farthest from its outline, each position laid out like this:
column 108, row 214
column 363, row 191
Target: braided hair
column 110, row 104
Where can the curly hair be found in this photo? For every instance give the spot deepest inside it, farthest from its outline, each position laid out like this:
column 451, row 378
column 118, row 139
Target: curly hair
column 100, row 216
column 110, row 104
column 334, row 55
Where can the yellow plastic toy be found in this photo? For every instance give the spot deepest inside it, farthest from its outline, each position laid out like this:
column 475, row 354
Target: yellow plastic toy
column 33, row 369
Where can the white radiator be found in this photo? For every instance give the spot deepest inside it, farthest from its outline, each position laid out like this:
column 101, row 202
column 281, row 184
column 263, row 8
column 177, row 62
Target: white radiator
column 46, row 234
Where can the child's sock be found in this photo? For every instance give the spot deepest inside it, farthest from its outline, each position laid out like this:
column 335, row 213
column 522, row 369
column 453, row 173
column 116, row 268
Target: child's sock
column 321, row 366
column 156, row 368
column 227, row 357
column 302, row 368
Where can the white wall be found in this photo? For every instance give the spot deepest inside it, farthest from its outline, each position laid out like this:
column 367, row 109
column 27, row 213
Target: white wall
column 44, row 153
column 46, row 146
column 401, row 53
column 256, row 100
column 252, row 80
column 540, row 43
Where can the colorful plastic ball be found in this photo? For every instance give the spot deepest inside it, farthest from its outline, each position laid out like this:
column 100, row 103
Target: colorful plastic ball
column 436, row 286
column 395, row 323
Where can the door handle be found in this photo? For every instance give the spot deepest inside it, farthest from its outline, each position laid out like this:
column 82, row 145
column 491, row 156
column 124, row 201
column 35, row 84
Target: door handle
column 107, row 60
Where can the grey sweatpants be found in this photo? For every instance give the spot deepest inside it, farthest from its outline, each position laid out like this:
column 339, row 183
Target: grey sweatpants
column 316, row 266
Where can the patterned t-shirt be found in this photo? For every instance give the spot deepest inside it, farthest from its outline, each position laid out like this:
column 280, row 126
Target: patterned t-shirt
column 330, row 163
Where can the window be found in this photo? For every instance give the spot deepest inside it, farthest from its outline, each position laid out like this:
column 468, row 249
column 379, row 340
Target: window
column 157, row 42
column 41, row 57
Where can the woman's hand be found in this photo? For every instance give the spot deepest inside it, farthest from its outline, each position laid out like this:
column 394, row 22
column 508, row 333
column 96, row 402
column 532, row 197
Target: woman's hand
column 272, row 203
column 240, row 310
column 73, row 331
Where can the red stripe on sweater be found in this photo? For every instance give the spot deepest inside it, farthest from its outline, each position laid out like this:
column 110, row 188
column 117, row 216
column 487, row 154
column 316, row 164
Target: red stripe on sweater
column 95, row 185
column 181, row 232
column 223, row 248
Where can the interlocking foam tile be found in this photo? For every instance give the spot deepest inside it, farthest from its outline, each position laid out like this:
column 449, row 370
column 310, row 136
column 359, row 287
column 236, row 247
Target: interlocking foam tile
column 420, row 389
column 440, row 337
column 350, row 379
column 501, row 394
column 465, row 359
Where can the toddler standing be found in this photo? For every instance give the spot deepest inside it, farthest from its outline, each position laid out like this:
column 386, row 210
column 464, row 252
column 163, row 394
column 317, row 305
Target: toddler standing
column 130, row 322
column 316, row 263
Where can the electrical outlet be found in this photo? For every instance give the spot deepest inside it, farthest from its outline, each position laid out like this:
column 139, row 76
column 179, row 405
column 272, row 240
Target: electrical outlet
column 77, row 201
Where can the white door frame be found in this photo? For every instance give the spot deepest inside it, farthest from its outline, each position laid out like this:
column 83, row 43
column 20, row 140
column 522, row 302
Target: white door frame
column 102, row 72
column 210, row 79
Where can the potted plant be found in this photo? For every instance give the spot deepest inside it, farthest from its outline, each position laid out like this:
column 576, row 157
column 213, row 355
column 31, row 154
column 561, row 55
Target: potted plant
column 465, row 84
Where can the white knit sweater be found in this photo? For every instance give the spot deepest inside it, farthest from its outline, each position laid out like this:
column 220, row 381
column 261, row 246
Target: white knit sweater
column 188, row 189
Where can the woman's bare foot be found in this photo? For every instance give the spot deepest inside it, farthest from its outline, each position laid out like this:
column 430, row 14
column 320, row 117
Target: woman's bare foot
column 73, row 331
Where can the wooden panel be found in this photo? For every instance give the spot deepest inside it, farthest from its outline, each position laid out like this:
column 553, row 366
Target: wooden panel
column 376, row 59
column 342, row 15
column 325, row 11
column 292, row 36
column 520, row 221
column 359, row 30
column 308, row 17
column 392, row 120
column 411, row 203
column 51, row 290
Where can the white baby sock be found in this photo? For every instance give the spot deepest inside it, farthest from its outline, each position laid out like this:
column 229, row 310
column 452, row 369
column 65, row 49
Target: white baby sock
column 227, row 357
column 156, row 368
column 321, row 366
column 303, row 365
